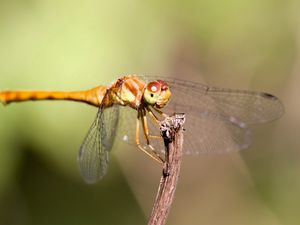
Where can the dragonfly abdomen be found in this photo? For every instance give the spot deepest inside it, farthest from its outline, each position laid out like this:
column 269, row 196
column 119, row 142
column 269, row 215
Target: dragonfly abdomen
column 93, row 96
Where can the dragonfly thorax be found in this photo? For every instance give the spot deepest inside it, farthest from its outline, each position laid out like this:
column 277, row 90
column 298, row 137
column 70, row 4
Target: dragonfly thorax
column 127, row 91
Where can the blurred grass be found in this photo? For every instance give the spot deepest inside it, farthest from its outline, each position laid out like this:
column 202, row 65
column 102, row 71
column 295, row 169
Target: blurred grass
column 67, row 45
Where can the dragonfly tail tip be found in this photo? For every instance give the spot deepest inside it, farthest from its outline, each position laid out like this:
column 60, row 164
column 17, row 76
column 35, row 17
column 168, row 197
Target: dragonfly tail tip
column 3, row 102
column 2, row 99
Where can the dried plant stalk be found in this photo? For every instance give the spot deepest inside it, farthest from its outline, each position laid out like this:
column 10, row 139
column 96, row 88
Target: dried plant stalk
column 172, row 133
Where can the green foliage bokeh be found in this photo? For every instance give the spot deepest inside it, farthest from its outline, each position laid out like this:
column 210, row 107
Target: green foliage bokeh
column 67, row 45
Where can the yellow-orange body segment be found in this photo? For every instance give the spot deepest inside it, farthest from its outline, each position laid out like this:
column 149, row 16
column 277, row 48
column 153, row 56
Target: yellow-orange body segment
column 127, row 90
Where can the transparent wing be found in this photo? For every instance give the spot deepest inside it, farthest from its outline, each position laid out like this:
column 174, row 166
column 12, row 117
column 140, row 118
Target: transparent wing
column 126, row 132
column 248, row 106
column 209, row 132
column 217, row 119
column 127, row 126
column 93, row 153
column 214, row 133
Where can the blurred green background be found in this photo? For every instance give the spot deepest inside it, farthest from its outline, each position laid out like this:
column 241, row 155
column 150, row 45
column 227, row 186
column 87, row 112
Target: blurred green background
column 72, row 45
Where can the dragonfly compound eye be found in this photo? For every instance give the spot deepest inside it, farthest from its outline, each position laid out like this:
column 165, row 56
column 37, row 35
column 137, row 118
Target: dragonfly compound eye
column 152, row 92
column 157, row 93
column 164, row 95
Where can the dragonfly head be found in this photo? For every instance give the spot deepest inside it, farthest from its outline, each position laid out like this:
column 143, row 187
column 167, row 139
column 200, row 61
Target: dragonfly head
column 157, row 93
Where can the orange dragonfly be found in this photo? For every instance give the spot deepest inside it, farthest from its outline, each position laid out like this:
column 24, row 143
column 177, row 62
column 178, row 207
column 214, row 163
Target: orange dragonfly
column 217, row 119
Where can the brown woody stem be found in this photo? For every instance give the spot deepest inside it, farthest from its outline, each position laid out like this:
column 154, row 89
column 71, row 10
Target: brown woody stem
column 172, row 133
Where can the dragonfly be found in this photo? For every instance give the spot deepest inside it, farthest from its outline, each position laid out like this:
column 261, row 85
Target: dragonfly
column 218, row 120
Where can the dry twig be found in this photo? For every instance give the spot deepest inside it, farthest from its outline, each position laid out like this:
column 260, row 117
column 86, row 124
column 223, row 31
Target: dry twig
column 172, row 133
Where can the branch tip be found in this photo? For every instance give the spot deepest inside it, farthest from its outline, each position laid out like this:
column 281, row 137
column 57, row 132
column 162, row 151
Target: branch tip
column 172, row 132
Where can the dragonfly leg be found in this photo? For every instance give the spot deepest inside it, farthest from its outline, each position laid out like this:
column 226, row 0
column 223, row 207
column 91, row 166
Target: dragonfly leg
column 145, row 127
column 153, row 116
column 160, row 112
column 152, row 154
column 155, row 120
column 154, row 136
column 146, row 133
